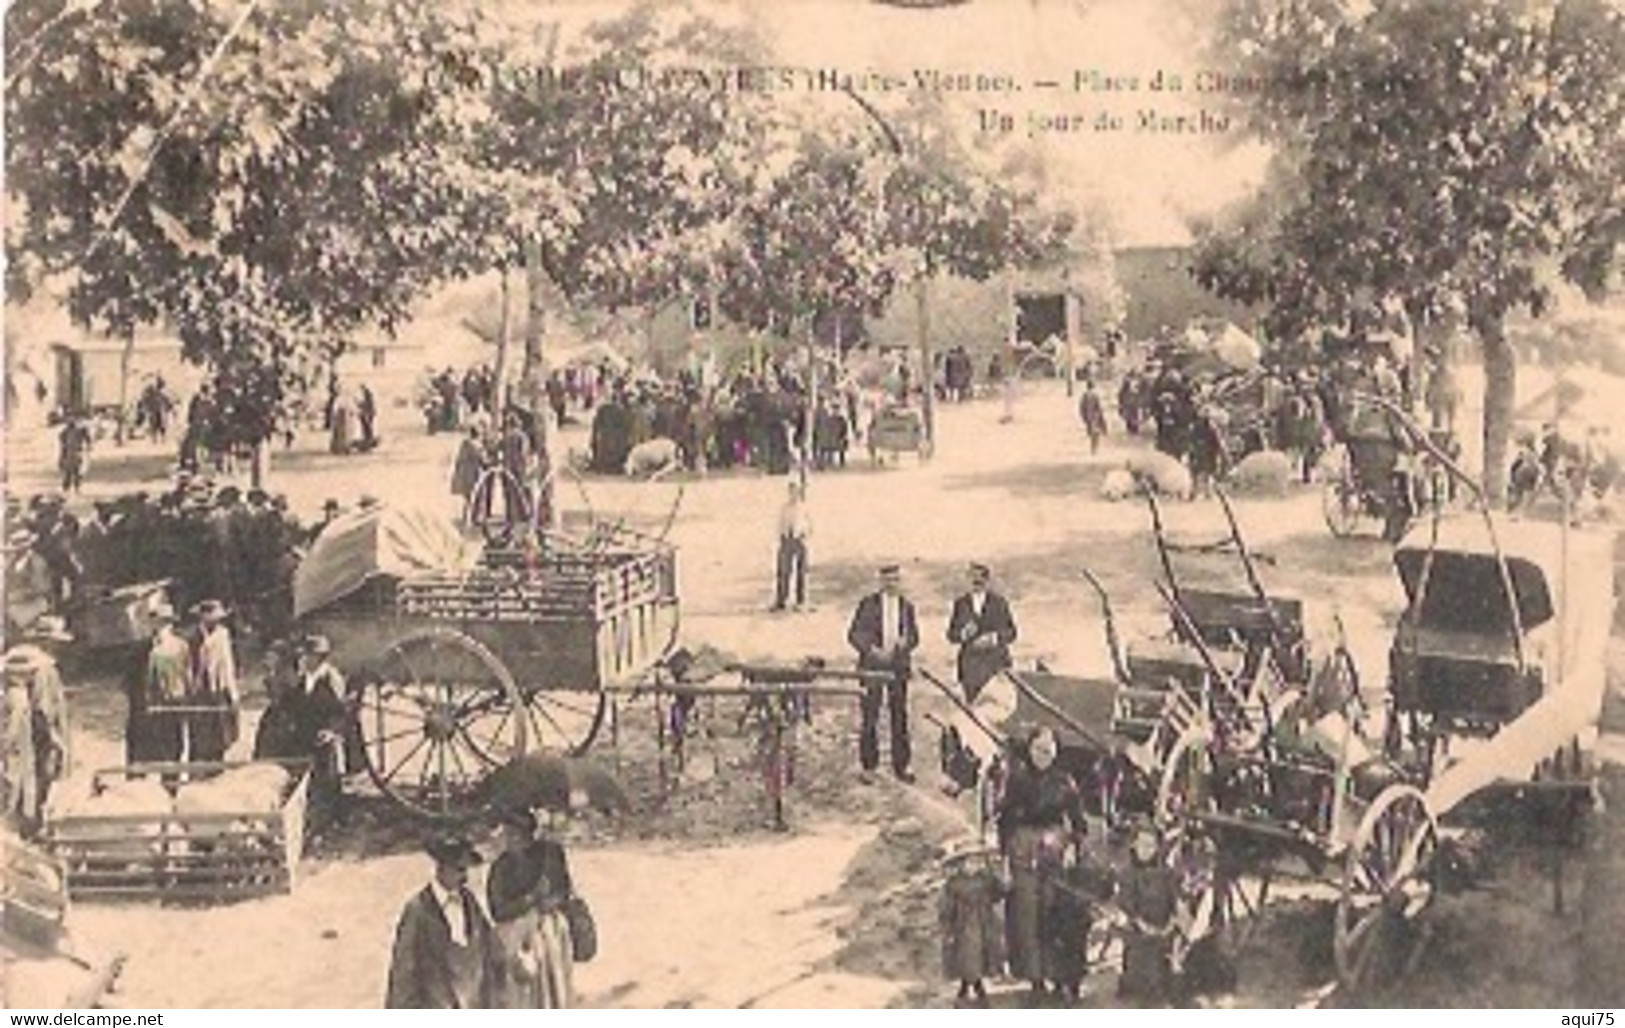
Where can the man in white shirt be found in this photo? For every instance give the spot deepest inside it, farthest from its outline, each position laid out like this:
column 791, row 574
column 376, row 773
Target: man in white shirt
column 885, row 632
column 795, row 527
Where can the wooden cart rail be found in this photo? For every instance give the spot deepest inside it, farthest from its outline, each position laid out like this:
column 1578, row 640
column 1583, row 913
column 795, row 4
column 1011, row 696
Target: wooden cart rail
column 174, row 855
column 567, row 590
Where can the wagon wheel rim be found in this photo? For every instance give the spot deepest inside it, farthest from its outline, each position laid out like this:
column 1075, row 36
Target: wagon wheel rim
column 1387, row 884
column 437, row 713
column 497, row 506
column 1186, row 784
column 563, row 720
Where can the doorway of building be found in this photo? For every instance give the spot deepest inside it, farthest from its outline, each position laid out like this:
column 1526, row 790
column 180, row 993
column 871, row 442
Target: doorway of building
column 1040, row 333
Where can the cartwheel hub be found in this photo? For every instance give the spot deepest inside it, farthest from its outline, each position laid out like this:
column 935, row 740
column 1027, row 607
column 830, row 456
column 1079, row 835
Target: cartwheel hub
column 441, row 723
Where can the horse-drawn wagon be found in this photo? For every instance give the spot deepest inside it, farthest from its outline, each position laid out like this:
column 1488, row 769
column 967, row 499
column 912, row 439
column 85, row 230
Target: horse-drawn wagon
column 1496, row 684
column 460, row 657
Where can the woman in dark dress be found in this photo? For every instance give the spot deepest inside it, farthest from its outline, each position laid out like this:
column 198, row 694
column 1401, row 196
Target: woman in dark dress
column 1040, row 822
column 1148, row 896
column 526, row 891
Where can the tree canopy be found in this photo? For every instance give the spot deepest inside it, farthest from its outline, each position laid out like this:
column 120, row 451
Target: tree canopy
column 1430, row 153
column 270, row 179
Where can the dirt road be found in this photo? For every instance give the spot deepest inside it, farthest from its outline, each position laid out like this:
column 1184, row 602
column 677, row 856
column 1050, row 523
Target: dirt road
column 699, row 903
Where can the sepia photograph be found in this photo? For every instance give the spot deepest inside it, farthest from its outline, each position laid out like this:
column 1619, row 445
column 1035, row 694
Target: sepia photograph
column 813, row 504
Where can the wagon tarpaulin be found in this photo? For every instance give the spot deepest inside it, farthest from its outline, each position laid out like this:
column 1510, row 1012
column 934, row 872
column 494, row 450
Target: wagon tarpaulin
column 381, row 541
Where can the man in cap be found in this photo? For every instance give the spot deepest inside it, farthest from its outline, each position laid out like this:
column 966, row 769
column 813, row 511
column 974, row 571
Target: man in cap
column 445, row 954
column 983, row 628
column 34, row 712
column 885, row 632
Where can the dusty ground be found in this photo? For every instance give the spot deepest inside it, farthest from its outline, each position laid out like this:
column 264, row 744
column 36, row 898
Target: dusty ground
column 841, row 910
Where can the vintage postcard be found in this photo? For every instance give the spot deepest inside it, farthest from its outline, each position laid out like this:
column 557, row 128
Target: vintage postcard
column 1092, row 504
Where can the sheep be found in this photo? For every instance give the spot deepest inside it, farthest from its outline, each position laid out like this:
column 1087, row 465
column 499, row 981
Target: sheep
column 1163, row 473
column 1118, row 485
column 652, row 459
column 1265, row 473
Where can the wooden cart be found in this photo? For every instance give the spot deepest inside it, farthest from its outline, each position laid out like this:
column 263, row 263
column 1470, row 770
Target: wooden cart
column 174, row 854
column 451, row 675
column 896, row 430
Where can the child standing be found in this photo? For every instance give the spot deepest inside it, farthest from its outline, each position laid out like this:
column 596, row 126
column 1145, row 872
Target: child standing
column 971, row 918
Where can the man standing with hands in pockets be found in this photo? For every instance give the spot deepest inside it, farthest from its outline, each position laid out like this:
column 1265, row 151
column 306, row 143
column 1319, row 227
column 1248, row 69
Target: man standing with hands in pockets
column 885, row 632
column 794, row 529
column 983, row 628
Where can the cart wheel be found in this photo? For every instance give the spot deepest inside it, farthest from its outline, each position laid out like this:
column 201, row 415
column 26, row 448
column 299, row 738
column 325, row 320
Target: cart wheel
column 437, row 713
column 1341, row 507
column 1387, row 884
column 564, row 721
column 498, row 505
column 1186, row 784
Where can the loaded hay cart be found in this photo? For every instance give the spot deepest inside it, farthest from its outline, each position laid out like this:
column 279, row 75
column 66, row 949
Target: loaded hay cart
column 460, row 657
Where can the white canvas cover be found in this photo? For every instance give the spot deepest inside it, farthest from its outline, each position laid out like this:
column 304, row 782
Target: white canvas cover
column 362, row 545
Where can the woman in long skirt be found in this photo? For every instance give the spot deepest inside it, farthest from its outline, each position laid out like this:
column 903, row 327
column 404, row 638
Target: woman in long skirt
column 526, row 891
column 1040, row 819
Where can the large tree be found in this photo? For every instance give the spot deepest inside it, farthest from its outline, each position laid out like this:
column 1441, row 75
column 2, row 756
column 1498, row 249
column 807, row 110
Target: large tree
column 266, row 184
column 1430, row 152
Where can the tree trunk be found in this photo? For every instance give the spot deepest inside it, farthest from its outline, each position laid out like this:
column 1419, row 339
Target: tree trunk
column 532, row 392
column 504, row 329
column 928, row 402
column 1500, row 393
column 259, row 466
column 121, row 430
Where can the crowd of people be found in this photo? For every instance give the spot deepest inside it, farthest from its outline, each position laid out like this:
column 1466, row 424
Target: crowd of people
column 204, row 539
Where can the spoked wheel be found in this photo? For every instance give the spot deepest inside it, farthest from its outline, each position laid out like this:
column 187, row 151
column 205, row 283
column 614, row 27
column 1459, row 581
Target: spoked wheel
column 498, row 506
column 1342, row 506
column 1218, row 908
column 437, row 713
column 564, row 721
column 1186, row 784
column 1387, row 884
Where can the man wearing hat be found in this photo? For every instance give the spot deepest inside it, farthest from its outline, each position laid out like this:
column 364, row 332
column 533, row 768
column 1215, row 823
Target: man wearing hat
column 885, row 633
column 35, row 715
column 983, row 628
column 445, row 954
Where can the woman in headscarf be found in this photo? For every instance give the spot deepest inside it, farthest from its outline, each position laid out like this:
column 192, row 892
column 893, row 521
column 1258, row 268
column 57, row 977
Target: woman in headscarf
column 526, row 892
column 1040, row 820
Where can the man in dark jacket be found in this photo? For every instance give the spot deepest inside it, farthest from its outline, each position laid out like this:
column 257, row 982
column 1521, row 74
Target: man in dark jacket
column 983, row 628
column 885, row 633
column 446, row 956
